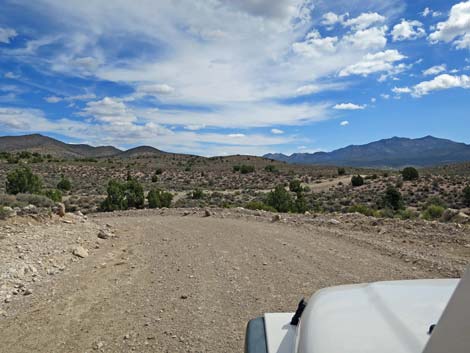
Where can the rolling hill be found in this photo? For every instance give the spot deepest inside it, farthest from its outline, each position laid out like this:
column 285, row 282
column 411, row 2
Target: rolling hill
column 47, row 145
column 395, row 152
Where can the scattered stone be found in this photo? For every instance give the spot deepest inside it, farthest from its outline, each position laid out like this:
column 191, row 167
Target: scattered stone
column 184, row 296
column 28, row 292
column 80, row 251
column 334, row 221
column 207, row 213
column 98, row 345
column 276, row 218
column 104, row 234
column 61, row 209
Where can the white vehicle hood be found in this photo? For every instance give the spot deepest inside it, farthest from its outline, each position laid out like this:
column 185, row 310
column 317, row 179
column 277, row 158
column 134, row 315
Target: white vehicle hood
column 385, row 317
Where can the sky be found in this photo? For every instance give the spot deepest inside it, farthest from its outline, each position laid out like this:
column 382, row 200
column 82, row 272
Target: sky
column 222, row 77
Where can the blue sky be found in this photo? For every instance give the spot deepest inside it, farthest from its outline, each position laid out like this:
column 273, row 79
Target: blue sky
column 219, row 77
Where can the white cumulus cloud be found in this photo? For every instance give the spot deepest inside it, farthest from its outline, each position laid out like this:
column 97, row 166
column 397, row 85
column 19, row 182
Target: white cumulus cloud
column 277, row 131
column 441, row 82
column 457, row 26
column 408, row 30
column 372, row 63
column 344, row 123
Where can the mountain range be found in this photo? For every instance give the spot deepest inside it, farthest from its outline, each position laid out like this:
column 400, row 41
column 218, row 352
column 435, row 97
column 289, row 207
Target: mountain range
column 394, row 152
column 47, row 145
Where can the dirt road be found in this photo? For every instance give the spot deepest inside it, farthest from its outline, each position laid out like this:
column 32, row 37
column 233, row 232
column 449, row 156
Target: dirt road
column 187, row 284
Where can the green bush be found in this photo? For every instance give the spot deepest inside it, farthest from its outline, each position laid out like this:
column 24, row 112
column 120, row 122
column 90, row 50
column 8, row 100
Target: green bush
column 433, row 212
column 300, row 204
column 341, row 171
column 22, row 180
column 357, row 180
column 55, row 195
column 236, row 168
column 197, row 194
column 279, row 199
column 259, row 205
column 385, row 213
column 435, row 200
column 363, row 209
column 64, row 184
column 295, row 186
column 154, row 178
column 246, row 169
column 271, row 168
column 158, row 198
column 122, row 196
column 134, row 194
column 392, row 199
column 410, row 173
column 158, row 171
column 407, row 214
column 116, row 199
column 466, row 195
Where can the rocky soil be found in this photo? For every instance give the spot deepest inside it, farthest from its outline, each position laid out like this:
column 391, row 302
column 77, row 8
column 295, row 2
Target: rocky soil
column 187, row 280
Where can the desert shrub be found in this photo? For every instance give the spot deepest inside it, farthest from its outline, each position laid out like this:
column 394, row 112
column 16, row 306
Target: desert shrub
column 22, row 180
column 54, row 194
column 8, row 200
column 158, row 171
column 64, row 184
column 89, row 160
column 357, row 180
column 259, row 205
column 435, row 200
column 385, row 213
column 410, row 173
column 158, row 198
column 392, row 199
column 341, row 171
column 134, row 194
column 116, row 199
column 433, row 212
column 295, row 186
column 466, row 195
column 25, row 155
column 300, row 204
column 279, row 199
column 236, row 168
column 407, row 214
column 36, row 200
column 363, row 209
column 5, row 155
column 372, row 177
column 4, row 213
column 197, row 194
column 121, row 196
column 246, row 169
column 271, row 168
column 154, row 178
